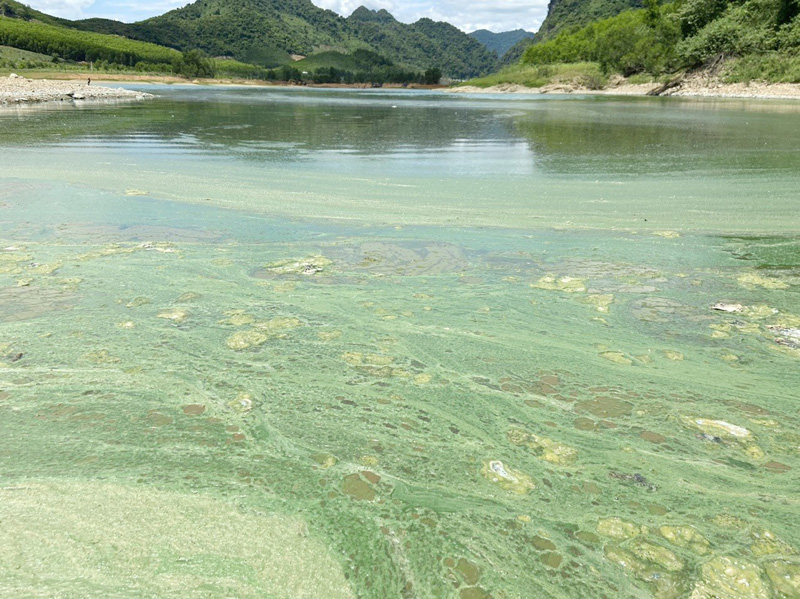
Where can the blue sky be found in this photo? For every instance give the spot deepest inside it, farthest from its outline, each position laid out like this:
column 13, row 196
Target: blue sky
column 495, row 15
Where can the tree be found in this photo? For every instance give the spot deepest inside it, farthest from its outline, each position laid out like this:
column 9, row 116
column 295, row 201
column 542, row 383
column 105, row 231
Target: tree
column 432, row 76
column 193, row 63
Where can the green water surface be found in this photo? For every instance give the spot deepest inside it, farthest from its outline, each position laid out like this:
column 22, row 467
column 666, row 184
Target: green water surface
column 325, row 343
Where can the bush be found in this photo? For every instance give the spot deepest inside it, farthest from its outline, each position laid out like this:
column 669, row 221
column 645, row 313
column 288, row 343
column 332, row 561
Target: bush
column 193, row 63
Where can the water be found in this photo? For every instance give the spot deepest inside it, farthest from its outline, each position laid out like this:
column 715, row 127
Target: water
column 284, row 343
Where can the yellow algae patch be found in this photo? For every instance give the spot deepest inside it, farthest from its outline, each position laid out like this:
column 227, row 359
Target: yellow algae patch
column 676, row 356
column 378, row 360
column 765, row 542
column 136, row 192
column 760, row 311
column 353, row 358
column 304, row 266
column 369, row 460
column 616, row 357
column 124, row 540
column 667, row 234
column 687, row 537
column 619, row 529
column 601, row 302
column 507, row 478
column 101, row 356
column 544, row 448
column 175, row 315
column 752, row 280
column 329, row 335
column 45, row 269
column 113, row 249
column 242, row 340
column 242, row 404
column 276, row 326
column 785, row 578
column 261, row 332
column 665, row 584
column 324, row 460
column 138, row 301
column 719, row 428
column 128, row 324
column 422, row 379
column 238, row 318
column 730, row 578
column 11, row 261
column 721, row 331
column 565, row 284
column 729, row 521
column 658, row 555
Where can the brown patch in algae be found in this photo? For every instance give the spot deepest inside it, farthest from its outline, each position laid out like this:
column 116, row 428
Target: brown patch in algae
column 357, row 488
column 606, row 407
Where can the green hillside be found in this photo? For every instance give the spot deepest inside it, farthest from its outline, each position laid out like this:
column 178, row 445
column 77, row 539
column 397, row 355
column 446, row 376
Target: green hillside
column 267, row 32
column 756, row 39
column 500, row 43
column 564, row 14
column 71, row 44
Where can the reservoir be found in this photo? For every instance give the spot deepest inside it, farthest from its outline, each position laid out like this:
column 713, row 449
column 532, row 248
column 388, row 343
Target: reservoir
column 272, row 342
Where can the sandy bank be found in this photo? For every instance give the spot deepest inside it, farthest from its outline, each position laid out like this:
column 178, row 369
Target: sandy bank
column 18, row 90
column 692, row 86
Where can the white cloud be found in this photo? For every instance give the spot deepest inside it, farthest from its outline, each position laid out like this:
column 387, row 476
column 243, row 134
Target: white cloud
column 467, row 15
column 68, row 9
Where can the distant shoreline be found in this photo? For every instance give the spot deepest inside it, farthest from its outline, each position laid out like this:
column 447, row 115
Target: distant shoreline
column 173, row 79
column 73, row 86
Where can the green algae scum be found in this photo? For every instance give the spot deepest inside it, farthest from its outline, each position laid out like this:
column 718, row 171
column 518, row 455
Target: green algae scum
column 323, row 344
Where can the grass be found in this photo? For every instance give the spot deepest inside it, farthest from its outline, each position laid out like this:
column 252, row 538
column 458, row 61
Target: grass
column 772, row 68
column 344, row 62
column 587, row 74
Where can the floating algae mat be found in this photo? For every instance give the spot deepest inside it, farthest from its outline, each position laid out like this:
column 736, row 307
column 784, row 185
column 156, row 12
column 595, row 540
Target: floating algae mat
column 208, row 391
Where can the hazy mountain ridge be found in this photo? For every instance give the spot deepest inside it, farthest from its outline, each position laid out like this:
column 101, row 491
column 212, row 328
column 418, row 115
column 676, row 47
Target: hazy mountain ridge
column 500, row 43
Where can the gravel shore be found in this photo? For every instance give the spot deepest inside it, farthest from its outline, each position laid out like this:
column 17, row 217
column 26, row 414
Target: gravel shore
column 18, row 90
column 693, row 86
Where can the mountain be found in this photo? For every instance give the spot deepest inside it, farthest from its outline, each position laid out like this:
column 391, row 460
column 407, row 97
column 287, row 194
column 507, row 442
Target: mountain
column 268, row 32
column 565, row 14
column 425, row 43
column 515, row 52
column 562, row 14
column 499, row 43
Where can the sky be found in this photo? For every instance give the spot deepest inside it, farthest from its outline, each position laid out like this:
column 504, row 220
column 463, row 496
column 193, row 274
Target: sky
column 468, row 15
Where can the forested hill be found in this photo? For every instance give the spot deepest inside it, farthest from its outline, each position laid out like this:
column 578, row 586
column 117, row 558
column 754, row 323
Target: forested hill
column 499, row 43
column 268, row 32
column 424, row 43
column 562, row 14
column 565, row 14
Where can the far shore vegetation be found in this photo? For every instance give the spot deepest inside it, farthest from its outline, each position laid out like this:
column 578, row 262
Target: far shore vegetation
column 738, row 41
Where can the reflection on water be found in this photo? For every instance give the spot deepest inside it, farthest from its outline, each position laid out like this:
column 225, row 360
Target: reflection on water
column 488, row 376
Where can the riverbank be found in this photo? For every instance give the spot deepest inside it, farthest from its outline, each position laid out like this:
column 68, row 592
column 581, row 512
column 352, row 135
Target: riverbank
column 695, row 85
column 20, row 90
column 174, row 79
